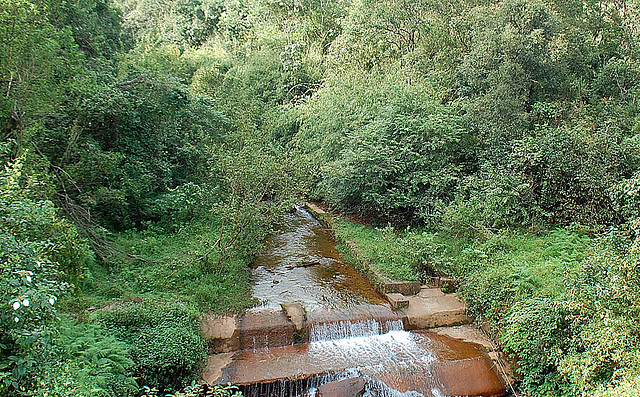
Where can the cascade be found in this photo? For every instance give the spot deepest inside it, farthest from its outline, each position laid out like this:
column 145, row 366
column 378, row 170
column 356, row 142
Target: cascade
column 307, row 387
column 350, row 330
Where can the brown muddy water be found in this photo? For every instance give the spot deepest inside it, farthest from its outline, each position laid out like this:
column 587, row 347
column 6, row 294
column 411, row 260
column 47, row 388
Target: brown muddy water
column 302, row 264
column 350, row 330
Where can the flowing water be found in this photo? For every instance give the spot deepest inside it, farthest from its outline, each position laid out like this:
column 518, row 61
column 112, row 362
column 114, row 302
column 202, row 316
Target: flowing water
column 351, row 330
column 302, row 264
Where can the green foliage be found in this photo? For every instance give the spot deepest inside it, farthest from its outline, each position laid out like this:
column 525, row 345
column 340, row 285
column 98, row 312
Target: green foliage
column 405, row 161
column 397, row 256
column 504, row 268
column 569, row 172
column 40, row 253
column 423, row 34
column 149, row 137
column 87, row 363
column 197, row 122
column 627, row 387
column 183, row 264
column 199, row 390
column 95, row 25
column 344, row 103
column 164, row 339
column 626, row 197
column 538, row 332
column 188, row 22
column 38, row 63
column 557, row 176
column 606, row 290
column 259, row 186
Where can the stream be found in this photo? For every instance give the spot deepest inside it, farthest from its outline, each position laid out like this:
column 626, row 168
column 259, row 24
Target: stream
column 350, row 330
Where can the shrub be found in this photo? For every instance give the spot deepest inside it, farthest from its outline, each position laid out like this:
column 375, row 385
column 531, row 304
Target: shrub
column 168, row 356
column 87, row 363
column 166, row 345
column 537, row 331
column 198, row 390
column 40, row 253
column 405, row 162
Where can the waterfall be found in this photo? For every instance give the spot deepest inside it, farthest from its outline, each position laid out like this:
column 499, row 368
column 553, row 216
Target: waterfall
column 350, row 329
column 308, row 387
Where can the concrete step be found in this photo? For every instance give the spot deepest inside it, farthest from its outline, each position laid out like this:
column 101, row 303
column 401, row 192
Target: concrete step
column 402, row 287
column 432, row 308
column 268, row 328
column 397, row 301
column 350, row 387
column 220, row 333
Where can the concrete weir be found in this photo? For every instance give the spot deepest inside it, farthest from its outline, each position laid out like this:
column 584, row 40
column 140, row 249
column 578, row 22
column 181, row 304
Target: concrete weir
column 422, row 361
column 431, row 363
column 323, row 329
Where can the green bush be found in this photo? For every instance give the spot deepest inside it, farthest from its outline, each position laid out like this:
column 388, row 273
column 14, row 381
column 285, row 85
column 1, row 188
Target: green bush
column 404, row 162
column 86, row 363
column 627, row 387
column 199, row 390
column 167, row 355
column 606, row 291
column 538, row 333
column 164, row 339
column 40, row 255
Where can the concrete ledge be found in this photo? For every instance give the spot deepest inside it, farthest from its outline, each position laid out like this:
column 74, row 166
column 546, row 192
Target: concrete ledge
column 467, row 333
column 470, row 377
column 402, row 287
column 398, row 301
column 220, row 333
column 216, row 364
column 350, row 387
column 263, row 329
column 432, row 308
column 296, row 314
column 314, row 208
column 321, row 215
column 470, row 373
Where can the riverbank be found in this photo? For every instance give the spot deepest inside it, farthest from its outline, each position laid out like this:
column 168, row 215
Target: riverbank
column 140, row 311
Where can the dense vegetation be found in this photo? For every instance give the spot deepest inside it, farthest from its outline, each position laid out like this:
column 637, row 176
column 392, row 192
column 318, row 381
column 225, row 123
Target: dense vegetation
column 147, row 147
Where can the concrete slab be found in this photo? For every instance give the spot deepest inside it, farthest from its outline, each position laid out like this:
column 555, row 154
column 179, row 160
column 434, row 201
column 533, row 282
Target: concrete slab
column 397, row 301
column 296, row 314
column 220, row 333
column 467, row 333
column 350, row 387
column 266, row 328
column 433, row 308
column 315, row 208
column 216, row 364
column 470, row 377
column 449, row 282
column 427, row 362
column 431, row 293
column 406, row 288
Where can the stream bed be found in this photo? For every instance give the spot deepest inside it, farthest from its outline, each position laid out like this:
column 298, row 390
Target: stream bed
column 350, row 330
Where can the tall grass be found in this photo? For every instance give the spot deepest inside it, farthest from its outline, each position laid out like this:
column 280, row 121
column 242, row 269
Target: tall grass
column 179, row 266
